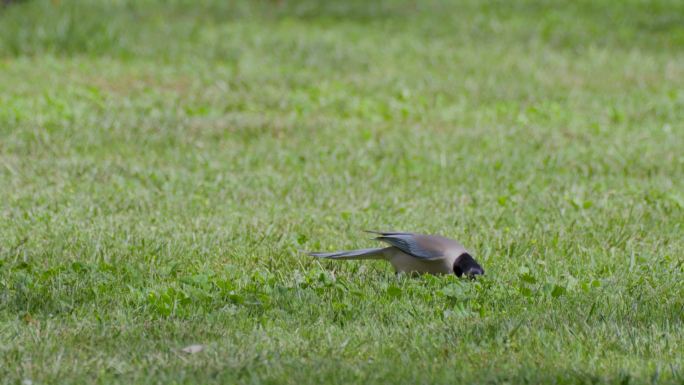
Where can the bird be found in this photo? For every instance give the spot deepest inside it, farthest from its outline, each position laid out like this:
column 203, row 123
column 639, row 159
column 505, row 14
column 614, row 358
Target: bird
column 413, row 253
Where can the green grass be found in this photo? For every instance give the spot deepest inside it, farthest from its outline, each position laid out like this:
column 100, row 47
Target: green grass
column 161, row 164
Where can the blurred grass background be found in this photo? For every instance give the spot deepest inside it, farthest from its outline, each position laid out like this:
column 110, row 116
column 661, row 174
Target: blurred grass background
column 161, row 164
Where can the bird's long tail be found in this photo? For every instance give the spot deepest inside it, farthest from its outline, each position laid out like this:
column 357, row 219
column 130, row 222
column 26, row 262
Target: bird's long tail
column 374, row 253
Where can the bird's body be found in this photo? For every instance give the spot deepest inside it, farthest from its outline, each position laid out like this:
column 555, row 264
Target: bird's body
column 406, row 263
column 413, row 253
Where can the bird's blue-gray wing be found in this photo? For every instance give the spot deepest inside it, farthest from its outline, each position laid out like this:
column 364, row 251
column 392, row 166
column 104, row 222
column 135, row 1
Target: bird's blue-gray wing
column 418, row 245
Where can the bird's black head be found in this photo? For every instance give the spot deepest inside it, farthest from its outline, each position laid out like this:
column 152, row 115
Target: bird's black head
column 466, row 264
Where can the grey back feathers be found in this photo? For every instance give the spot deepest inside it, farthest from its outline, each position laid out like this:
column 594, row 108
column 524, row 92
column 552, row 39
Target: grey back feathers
column 420, row 245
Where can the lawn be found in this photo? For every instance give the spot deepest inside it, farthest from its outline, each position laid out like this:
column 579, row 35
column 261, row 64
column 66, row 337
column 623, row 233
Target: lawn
column 162, row 164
